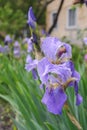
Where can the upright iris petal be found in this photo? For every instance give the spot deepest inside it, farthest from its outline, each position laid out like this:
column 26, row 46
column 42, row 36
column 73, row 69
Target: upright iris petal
column 56, row 50
column 31, row 18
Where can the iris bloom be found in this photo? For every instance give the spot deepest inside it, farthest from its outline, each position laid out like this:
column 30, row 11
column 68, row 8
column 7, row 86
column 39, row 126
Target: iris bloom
column 31, row 18
column 56, row 72
column 57, row 78
column 7, row 39
column 16, row 50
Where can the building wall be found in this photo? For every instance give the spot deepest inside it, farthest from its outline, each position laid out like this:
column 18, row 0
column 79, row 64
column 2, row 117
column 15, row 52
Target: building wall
column 61, row 30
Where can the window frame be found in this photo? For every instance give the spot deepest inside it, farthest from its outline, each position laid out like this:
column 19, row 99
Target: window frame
column 72, row 26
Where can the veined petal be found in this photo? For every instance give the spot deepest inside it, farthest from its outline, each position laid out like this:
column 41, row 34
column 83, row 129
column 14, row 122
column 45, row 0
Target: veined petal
column 32, row 65
column 43, row 69
column 55, row 50
column 54, row 100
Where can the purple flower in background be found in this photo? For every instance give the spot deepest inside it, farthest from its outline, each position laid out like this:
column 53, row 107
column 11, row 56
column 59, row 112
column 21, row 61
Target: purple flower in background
column 16, row 44
column 4, row 49
column 85, row 40
column 30, row 45
column 25, row 40
column 16, row 50
column 85, row 57
column 85, row 1
column 34, row 38
column 1, row 49
column 7, row 39
column 44, row 33
column 31, row 66
column 31, row 18
column 30, row 63
column 55, row 50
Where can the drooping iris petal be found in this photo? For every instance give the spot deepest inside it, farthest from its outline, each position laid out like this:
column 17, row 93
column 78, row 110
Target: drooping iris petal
column 31, row 18
column 43, row 69
column 54, row 100
column 31, row 65
column 56, row 50
column 75, row 74
column 79, row 99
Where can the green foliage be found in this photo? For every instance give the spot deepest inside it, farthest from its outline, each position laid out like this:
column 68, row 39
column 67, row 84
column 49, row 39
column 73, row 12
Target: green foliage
column 13, row 15
column 11, row 21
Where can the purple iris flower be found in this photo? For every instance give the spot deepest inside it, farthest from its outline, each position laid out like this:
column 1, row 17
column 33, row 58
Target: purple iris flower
column 4, row 49
column 7, row 39
column 85, row 57
column 25, row 40
column 54, row 77
column 31, row 18
column 16, row 50
column 57, row 78
column 55, row 50
column 1, row 49
column 85, row 40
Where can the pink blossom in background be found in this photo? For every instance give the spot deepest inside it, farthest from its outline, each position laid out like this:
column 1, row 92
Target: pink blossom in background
column 85, row 57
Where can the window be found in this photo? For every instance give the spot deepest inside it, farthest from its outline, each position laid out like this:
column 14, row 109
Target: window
column 53, row 18
column 71, row 18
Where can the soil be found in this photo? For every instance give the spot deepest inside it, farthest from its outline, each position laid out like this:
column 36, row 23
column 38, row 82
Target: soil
column 5, row 116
